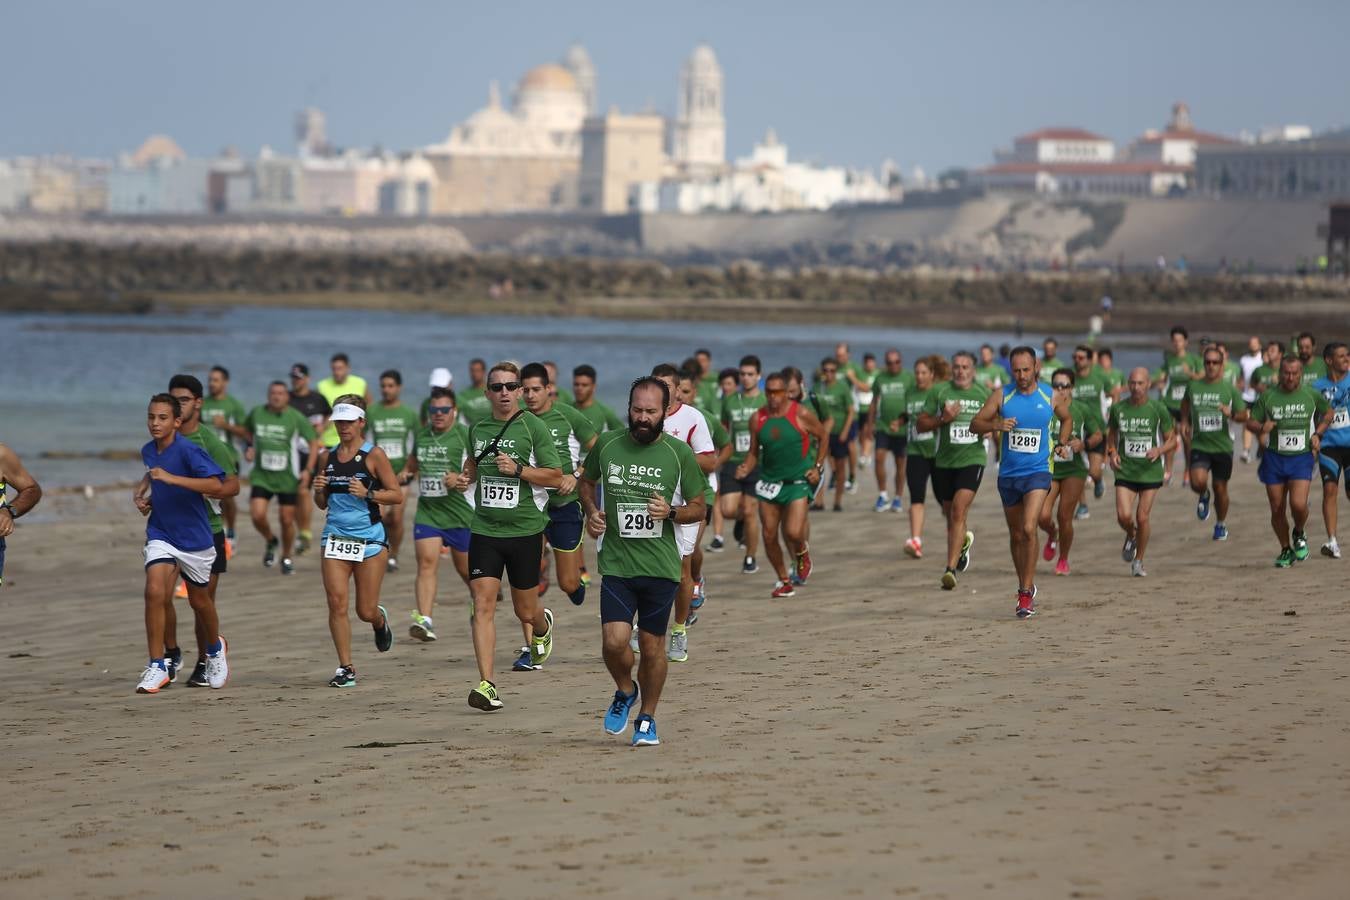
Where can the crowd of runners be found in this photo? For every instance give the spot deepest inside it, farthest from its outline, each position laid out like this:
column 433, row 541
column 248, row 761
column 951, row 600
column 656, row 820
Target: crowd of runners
column 509, row 474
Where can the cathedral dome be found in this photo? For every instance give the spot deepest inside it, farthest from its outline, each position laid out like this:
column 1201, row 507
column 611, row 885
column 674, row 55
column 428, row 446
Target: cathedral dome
column 548, row 77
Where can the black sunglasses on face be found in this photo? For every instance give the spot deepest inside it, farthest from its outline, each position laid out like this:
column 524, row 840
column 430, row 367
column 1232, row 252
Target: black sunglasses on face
column 440, row 410
column 498, row 386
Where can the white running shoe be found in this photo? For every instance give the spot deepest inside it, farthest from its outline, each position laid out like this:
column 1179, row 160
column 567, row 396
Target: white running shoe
column 152, row 679
column 679, row 646
column 217, row 667
column 1137, row 568
column 1331, row 549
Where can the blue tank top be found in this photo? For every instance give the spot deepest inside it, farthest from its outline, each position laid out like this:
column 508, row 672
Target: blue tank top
column 1027, row 448
column 348, row 516
column 1338, row 395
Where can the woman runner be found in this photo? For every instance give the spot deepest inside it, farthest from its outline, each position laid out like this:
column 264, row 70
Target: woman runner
column 355, row 479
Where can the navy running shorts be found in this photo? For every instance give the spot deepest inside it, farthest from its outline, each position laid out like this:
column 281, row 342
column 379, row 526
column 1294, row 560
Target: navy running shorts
column 650, row 599
column 565, row 525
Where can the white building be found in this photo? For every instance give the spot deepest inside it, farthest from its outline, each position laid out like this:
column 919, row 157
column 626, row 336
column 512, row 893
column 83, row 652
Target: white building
column 1319, row 168
column 159, row 178
column 765, row 181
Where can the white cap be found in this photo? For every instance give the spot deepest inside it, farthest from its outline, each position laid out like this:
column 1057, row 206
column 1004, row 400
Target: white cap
column 441, row 377
column 347, row 412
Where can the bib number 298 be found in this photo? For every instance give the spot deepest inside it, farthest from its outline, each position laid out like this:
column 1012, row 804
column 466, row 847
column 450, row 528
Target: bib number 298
column 636, row 522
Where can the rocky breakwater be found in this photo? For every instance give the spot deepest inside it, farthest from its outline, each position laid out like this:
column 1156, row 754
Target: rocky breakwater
column 427, row 267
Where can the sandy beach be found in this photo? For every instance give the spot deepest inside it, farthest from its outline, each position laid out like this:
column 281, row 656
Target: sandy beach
column 1182, row 735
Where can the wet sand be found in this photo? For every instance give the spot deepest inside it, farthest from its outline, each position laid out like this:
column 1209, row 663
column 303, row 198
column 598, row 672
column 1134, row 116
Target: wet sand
column 1175, row 736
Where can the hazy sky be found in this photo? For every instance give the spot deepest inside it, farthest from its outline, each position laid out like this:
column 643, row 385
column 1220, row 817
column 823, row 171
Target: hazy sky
column 928, row 83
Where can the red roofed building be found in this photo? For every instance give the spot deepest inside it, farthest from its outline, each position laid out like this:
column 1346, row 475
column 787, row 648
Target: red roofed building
column 1177, row 142
column 1059, row 145
column 1074, row 161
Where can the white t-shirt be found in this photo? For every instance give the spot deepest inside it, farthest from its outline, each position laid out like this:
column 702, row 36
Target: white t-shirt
column 687, row 424
column 1249, row 362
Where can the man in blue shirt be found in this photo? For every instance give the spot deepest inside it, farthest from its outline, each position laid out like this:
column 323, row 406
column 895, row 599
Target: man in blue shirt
column 177, row 537
column 1023, row 415
column 1334, row 455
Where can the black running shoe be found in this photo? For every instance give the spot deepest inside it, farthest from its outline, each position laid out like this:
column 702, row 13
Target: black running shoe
column 345, row 676
column 270, row 556
column 173, row 661
column 198, row 678
column 384, row 635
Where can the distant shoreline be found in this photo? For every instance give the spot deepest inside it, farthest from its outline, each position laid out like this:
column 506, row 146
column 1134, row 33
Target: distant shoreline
column 1127, row 325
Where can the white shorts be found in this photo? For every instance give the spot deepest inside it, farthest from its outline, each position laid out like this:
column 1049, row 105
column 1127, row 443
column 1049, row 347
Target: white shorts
column 195, row 565
column 686, row 536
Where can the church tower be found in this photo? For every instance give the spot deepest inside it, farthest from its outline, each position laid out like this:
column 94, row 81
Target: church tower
column 578, row 62
column 700, row 136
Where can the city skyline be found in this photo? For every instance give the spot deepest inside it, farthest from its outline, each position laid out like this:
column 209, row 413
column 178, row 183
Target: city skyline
column 212, row 81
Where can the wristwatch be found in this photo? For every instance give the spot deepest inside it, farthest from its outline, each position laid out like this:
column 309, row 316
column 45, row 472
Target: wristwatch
column 673, row 511
column 519, row 469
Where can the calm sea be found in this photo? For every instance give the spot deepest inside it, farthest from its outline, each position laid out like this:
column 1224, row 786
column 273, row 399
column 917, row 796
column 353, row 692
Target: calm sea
column 79, row 383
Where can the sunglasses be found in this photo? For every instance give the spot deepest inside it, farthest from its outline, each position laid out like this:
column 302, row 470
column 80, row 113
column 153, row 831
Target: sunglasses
column 1213, row 362
column 499, row 386
column 440, row 410
column 1061, row 386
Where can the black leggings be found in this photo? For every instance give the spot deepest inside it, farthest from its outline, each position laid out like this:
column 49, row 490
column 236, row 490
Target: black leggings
column 918, row 472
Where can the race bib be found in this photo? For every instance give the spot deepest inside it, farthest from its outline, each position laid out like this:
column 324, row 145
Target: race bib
column 636, row 522
column 348, row 549
column 275, row 460
column 1341, row 418
column 1292, row 442
column 961, row 434
column 1024, row 440
column 1210, row 421
column 431, row 486
column 499, row 493
column 743, row 442
column 393, row 450
column 1178, row 391
column 767, row 490
column 1137, row 448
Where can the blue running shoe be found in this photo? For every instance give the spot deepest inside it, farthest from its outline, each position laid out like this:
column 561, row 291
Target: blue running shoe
column 616, row 717
column 644, row 732
column 522, row 663
column 881, row 503
column 1202, row 507
column 1098, row 488
column 897, row 505
column 1221, row 532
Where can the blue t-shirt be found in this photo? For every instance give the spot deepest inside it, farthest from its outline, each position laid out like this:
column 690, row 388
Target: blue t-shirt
column 1026, row 449
column 1338, row 396
column 177, row 515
